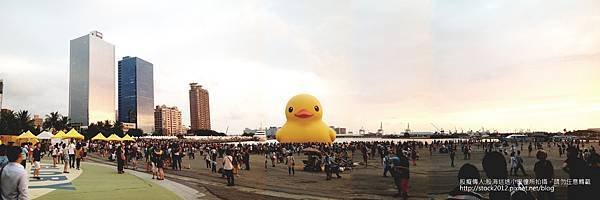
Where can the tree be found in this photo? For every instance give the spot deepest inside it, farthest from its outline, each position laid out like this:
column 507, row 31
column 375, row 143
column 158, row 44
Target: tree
column 91, row 131
column 24, row 121
column 205, row 133
column 157, row 133
column 63, row 123
column 51, row 121
column 134, row 132
column 248, row 134
column 8, row 123
column 118, row 128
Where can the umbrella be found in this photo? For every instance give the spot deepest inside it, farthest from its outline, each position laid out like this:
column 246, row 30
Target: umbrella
column 99, row 137
column 45, row 135
column 59, row 135
column 311, row 150
column 74, row 134
column 114, row 137
column 28, row 136
column 127, row 138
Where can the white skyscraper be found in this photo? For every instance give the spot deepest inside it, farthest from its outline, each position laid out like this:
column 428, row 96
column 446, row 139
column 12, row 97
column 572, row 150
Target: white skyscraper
column 91, row 80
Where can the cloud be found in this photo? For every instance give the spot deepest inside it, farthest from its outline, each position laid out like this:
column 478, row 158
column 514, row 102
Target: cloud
column 459, row 63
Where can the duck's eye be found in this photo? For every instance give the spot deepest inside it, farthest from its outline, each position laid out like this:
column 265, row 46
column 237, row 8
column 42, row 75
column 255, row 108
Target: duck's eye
column 317, row 108
column 290, row 109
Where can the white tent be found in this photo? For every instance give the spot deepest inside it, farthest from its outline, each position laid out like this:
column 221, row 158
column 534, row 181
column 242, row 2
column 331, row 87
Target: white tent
column 45, row 135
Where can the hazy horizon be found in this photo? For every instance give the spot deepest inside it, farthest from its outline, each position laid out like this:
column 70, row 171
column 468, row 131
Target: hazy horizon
column 467, row 64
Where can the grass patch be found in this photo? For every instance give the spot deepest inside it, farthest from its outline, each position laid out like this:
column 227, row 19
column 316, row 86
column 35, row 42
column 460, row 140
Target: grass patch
column 99, row 182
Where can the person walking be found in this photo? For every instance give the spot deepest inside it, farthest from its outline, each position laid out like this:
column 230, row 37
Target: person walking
column 513, row 164
column 228, row 168
column 327, row 165
column 290, row 163
column 13, row 176
column 520, row 163
column 36, row 157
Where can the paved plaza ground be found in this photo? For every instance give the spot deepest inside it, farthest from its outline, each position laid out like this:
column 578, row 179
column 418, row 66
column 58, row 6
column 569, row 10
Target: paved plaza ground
column 432, row 178
column 94, row 181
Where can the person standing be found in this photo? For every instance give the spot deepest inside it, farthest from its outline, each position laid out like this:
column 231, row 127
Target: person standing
column 13, row 176
column 401, row 174
column 452, row 155
column 120, row 154
column 158, row 158
column 577, row 169
column 228, row 168
column 290, row 163
column 78, row 156
column 65, row 157
column 207, row 160
column 3, row 158
column 24, row 152
column 544, row 170
column 36, row 157
column 71, row 155
column 54, row 155
column 247, row 159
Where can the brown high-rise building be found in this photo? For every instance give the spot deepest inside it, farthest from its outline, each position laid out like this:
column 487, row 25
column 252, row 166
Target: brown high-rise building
column 167, row 120
column 37, row 121
column 199, row 108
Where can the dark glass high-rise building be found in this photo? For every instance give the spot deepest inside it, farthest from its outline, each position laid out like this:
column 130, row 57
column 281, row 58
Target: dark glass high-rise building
column 136, row 93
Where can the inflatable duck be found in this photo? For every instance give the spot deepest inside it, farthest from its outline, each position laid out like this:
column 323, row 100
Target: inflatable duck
column 304, row 113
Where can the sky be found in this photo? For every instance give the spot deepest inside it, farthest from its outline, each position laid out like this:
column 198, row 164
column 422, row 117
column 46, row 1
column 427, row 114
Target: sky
column 464, row 65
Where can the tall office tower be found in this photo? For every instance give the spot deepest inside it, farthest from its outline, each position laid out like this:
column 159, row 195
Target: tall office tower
column 136, row 93
column 199, row 108
column 167, row 120
column 91, row 80
column 1, row 92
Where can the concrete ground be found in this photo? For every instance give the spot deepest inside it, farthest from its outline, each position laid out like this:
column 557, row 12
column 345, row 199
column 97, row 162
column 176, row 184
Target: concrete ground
column 432, row 178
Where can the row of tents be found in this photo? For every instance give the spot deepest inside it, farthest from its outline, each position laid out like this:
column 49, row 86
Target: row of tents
column 72, row 134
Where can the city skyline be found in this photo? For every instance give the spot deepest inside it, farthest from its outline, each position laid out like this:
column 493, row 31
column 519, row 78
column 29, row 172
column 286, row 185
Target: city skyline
column 499, row 65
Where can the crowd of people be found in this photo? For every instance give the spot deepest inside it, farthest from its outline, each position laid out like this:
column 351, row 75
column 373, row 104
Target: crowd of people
column 501, row 160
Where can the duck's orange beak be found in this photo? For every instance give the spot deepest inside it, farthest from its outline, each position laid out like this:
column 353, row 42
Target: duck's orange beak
column 303, row 114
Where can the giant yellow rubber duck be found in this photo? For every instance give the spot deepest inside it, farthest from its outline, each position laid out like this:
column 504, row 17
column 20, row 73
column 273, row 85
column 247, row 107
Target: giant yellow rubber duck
column 304, row 113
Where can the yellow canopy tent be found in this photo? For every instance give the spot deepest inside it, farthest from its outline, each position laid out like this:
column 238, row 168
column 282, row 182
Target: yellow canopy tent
column 99, row 137
column 114, row 137
column 59, row 135
column 74, row 134
column 127, row 138
column 28, row 136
